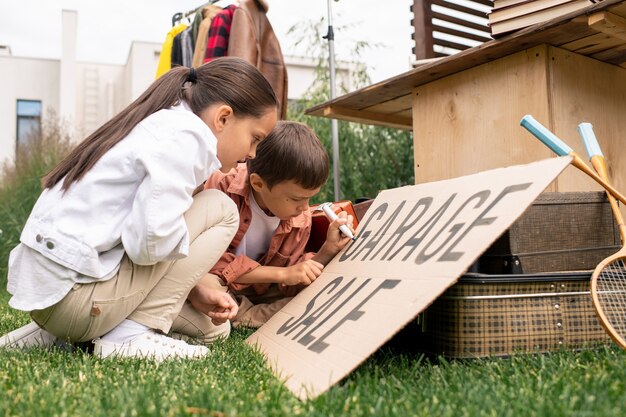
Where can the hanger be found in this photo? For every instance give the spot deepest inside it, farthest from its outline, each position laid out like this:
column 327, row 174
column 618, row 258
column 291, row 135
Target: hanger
column 180, row 16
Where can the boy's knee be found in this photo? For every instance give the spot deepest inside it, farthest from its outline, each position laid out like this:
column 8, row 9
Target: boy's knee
column 215, row 333
column 220, row 332
column 192, row 323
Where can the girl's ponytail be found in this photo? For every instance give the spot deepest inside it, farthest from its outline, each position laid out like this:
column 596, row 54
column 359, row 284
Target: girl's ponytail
column 225, row 80
column 163, row 93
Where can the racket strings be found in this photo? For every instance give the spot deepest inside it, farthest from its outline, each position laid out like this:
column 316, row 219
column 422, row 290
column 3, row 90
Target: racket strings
column 611, row 293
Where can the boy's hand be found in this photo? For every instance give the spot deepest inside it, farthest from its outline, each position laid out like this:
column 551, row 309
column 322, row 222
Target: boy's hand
column 302, row 273
column 335, row 240
column 216, row 304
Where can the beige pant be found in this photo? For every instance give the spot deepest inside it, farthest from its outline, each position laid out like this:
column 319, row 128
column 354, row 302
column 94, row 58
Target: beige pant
column 154, row 295
column 255, row 312
column 254, row 309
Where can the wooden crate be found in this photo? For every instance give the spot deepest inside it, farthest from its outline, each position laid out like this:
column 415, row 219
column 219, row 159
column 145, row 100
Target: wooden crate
column 559, row 232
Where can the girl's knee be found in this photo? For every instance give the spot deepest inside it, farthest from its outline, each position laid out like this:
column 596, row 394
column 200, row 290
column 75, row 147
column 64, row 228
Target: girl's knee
column 217, row 332
column 212, row 208
column 216, row 200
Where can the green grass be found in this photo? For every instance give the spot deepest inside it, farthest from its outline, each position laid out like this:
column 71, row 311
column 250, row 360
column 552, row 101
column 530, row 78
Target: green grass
column 233, row 380
column 20, row 184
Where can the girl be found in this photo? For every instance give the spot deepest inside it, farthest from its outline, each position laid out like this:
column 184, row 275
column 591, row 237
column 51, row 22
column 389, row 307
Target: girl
column 115, row 243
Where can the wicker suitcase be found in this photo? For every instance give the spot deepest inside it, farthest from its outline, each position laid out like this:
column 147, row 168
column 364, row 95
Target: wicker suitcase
column 487, row 315
column 560, row 232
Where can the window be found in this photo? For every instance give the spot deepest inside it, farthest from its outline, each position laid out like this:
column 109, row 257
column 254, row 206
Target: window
column 28, row 121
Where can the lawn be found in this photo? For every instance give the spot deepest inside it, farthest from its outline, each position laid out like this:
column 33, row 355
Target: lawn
column 233, row 381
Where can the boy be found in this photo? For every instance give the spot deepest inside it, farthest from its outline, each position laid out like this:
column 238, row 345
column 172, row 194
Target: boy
column 266, row 264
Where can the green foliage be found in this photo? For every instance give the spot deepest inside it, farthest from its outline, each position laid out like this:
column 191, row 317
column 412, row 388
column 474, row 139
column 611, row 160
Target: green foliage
column 20, row 183
column 371, row 158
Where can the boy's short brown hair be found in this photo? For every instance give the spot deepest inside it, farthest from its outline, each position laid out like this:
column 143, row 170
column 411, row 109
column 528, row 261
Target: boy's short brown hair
column 291, row 152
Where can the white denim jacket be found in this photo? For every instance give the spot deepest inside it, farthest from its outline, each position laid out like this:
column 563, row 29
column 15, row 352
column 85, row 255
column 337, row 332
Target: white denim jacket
column 132, row 201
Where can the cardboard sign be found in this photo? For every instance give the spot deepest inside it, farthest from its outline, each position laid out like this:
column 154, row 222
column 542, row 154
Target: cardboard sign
column 413, row 244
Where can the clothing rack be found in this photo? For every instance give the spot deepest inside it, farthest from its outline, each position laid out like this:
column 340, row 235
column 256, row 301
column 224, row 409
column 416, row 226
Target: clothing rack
column 180, row 16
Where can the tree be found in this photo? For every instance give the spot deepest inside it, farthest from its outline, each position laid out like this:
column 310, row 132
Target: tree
column 372, row 158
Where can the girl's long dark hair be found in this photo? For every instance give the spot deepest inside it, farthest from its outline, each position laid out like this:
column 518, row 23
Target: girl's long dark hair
column 227, row 80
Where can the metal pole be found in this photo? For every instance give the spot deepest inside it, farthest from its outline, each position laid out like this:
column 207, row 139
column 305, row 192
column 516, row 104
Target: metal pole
column 333, row 93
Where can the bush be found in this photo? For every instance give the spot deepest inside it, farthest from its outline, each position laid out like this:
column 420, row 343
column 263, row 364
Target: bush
column 371, row 158
column 20, row 183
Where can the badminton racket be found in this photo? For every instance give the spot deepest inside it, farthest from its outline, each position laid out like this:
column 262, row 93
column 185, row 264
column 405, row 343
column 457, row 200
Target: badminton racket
column 562, row 149
column 608, row 281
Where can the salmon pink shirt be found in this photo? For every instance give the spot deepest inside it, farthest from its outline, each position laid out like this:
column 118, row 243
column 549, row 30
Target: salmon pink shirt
column 286, row 248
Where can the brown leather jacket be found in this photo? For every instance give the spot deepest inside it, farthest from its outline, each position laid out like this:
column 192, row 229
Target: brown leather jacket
column 252, row 38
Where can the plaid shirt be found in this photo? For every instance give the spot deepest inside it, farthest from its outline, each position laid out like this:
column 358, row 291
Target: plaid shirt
column 217, row 45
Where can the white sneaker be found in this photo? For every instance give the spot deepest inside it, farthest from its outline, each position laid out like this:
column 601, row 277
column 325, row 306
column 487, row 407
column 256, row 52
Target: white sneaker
column 149, row 345
column 29, row 336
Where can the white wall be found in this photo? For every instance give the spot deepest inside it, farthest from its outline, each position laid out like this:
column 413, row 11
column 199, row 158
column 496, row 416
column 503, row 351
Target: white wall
column 143, row 59
column 99, row 92
column 88, row 94
column 24, row 79
column 301, row 74
column 68, row 76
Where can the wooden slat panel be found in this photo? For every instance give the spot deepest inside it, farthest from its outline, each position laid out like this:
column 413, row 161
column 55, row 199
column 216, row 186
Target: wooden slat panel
column 399, row 104
column 601, row 46
column 368, row 118
column 609, row 23
column 423, row 31
column 460, row 8
column 407, row 114
column 460, row 33
column 484, row 2
column 616, row 55
column 450, row 44
column 592, row 44
column 462, row 22
column 619, row 10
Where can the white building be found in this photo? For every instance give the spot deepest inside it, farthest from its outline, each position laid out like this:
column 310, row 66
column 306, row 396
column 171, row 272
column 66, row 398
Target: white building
column 84, row 95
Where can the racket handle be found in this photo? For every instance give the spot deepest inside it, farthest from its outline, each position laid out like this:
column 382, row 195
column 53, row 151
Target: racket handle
column 543, row 134
column 589, row 139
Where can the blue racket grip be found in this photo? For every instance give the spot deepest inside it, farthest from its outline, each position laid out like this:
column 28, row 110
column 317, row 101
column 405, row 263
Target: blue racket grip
column 589, row 139
column 548, row 138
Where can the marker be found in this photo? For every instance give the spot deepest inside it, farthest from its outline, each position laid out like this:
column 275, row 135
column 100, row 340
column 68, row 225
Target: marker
column 328, row 211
